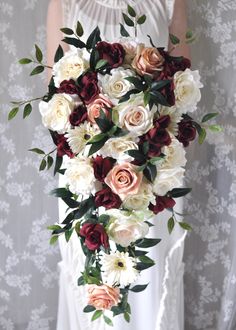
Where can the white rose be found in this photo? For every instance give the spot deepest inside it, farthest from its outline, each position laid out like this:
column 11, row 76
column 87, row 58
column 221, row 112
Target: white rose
column 134, row 116
column 116, row 147
column 141, row 200
column 79, row 175
column 70, row 66
column 56, row 112
column 114, row 84
column 187, row 90
column 126, row 227
column 168, row 179
column 174, row 154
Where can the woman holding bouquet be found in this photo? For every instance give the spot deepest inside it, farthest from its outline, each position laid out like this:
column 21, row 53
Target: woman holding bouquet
column 160, row 306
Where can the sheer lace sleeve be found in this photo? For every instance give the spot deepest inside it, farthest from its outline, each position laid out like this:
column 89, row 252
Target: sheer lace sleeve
column 170, row 9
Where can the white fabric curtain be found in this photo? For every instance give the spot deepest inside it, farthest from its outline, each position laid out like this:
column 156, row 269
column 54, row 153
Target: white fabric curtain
column 28, row 271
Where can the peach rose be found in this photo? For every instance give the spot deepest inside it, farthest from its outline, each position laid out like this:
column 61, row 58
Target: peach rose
column 148, row 61
column 103, row 296
column 124, row 180
column 94, row 108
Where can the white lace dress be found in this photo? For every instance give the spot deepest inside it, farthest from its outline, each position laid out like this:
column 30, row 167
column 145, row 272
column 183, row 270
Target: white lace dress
column 160, row 306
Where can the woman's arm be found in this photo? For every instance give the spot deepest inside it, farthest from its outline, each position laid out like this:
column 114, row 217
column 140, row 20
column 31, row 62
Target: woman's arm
column 178, row 27
column 54, row 35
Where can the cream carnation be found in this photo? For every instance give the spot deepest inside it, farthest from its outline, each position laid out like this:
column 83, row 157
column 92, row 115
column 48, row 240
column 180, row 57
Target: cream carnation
column 141, row 200
column 118, row 269
column 116, row 148
column 79, row 175
column 79, row 136
column 70, row 66
column 134, row 116
column 56, row 112
column 114, row 84
column 168, row 179
column 174, row 154
column 187, row 90
column 126, row 227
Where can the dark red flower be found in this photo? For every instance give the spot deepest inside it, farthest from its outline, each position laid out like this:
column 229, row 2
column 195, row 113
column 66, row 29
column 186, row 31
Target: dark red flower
column 162, row 202
column 78, row 116
column 95, row 236
column 113, row 53
column 102, row 167
column 88, row 87
column 157, row 137
column 63, row 147
column 173, row 64
column 187, row 132
column 68, row 87
column 107, row 199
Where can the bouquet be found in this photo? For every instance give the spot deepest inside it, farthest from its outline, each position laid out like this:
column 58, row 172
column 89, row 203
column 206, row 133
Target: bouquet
column 120, row 115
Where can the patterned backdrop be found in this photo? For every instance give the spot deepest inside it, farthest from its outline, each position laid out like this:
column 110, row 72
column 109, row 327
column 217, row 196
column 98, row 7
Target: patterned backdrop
column 28, row 265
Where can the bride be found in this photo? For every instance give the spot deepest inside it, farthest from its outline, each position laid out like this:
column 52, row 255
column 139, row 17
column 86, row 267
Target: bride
column 160, row 306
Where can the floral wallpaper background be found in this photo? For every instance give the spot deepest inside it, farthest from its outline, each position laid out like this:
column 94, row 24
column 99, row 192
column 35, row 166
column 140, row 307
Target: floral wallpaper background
column 28, row 264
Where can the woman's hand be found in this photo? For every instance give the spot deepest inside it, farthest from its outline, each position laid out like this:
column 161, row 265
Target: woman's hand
column 178, row 27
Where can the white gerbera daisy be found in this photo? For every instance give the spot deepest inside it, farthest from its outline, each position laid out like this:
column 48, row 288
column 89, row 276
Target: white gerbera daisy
column 118, row 269
column 79, row 136
column 175, row 118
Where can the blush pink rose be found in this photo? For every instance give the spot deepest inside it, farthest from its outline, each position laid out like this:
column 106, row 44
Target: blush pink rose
column 103, row 296
column 124, row 180
column 148, row 61
column 94, row 108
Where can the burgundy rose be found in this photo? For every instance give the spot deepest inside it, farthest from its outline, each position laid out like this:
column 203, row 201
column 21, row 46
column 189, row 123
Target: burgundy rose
column 95, row 236
column 113, row 53
column 157, row 137
column 162, row 202
column 78, row 116
column 63, row 147
column 102, row 167
column 107, row 199
column 187, row 132
column 173, row 64
column 68, row 87
column 88, row 87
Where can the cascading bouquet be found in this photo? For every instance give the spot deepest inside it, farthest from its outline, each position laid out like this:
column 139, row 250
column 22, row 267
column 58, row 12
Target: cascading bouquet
column 119, row 112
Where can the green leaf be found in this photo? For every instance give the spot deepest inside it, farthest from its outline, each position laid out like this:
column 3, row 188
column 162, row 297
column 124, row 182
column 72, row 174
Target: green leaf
column 189, row 34
column 25, row 60
column 67, row 31
column 141, row 19
column 136, row 154
column 27, row 110
column 74, row 42
column 209, row 116
column 139, row 253
column 43, row 165
column 104, row 218
column 146, row 98
column 174, row 40
column 156, row 85
column 154, row 160
column 59, row 54
column 136, row 82
column 141, row 168
column 61, row 193
column 171, row 224
column 81, row 281
column 13, row 113
column 131, row 11
column 179, row 192
column 59, row 161
column 70, row 202
column 38, row 54
column 89, row 308
column 68, row 234
column 79, row 29
column 157, row 97
column 127, row 95
column 123, row 31
column 53, row 239
column 145, row 147
column 201, row 135
column 93, row 38
column 96, row 315
column 150, row 172
column 215, row 128
column 127, row 317
column 128, row 21
column 100, row 64
column 108, row 320
column 49, row 161
column 139, row 288
column 185, row 225
column 37, row 151
column 97, row 146
column 146, row 260
column 97, row 138
column 39, row 69
column 54, row 227
column 147, row 242
column 94, row 58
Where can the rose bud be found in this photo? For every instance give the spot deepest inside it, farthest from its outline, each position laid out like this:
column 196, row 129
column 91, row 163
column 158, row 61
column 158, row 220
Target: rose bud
column 78, row 116
column 187, row 132
column 107, row 199
column 68, row 87
column 162, row 202
column 103, row 297
column 102, row 167
column 113, row 53
column 95, row 236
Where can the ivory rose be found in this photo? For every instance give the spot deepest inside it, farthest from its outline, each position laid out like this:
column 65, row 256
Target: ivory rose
column 148, row 61
column 141, row 200
column 168, row 179
column 103, row 297
column 94, row 108
column 124, row 180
